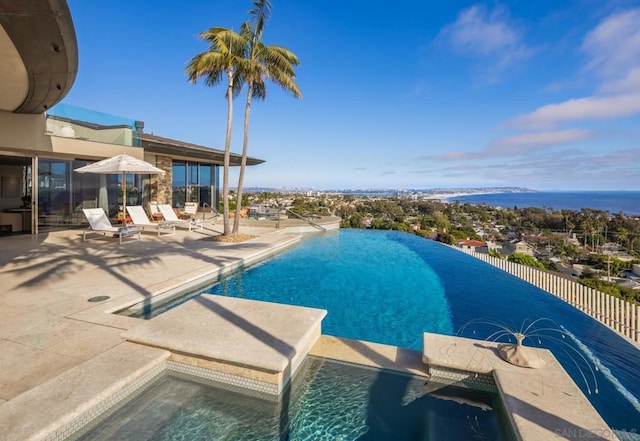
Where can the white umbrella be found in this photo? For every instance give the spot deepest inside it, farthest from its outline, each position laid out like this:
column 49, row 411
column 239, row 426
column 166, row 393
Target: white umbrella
column 121, row 164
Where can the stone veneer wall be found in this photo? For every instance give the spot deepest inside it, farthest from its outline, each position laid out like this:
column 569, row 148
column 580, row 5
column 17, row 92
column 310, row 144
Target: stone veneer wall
column 162, row 185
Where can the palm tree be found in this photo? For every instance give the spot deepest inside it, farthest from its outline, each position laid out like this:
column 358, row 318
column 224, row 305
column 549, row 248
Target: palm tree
column 227, row 50
column 622, row 236
column 275, row 63
column 569, row 220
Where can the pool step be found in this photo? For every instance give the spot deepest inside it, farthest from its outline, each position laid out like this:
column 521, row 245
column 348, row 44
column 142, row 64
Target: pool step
column 66, row 403
column 260, row 343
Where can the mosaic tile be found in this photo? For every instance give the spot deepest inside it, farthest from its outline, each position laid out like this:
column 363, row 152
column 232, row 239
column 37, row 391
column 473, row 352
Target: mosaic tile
column 469, row 380
column 101, row 411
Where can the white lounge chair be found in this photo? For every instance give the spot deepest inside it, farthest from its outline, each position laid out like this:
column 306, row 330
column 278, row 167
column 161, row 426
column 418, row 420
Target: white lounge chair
column 99, row 223
column 170, row 216
column 190, row 209
column 140, row 220
column 154, row 211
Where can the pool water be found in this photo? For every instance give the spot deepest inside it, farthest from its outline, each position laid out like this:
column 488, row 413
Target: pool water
column 390, row 287
column 326, row 400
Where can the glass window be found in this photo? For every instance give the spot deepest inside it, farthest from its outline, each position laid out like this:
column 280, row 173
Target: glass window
column 205, row 189
column 193, row 173
column 179, row 177
column 194, row 182
column 54, row 196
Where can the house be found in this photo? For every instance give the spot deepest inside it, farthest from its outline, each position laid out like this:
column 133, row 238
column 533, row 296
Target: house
column 517, row 246
column 43, row 140
column 473, row 245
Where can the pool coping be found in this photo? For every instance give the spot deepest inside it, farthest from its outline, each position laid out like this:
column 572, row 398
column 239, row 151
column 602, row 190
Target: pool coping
column 62, row 405
column 106, row 313
column 542, row 404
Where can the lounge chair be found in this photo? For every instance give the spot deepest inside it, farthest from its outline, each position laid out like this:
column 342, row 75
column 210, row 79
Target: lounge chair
column 190, row 209
column 170, row 216
column 99, row 223
column 139, row 219
column 154, row 211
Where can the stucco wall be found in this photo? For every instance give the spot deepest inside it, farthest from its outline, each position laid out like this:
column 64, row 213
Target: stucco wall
column 23, row 132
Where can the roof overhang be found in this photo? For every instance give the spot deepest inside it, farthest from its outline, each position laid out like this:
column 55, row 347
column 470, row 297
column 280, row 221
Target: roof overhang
column 178, row 149
column 39, row 54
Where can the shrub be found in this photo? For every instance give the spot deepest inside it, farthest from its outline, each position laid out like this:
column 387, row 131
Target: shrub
column 525, row 259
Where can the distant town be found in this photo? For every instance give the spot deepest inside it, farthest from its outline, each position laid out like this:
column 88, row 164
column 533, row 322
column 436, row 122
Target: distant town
column 429, row 193
column 598, row 249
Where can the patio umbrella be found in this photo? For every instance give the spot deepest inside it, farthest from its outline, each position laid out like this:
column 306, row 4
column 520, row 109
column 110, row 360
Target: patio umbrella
column 121, row 164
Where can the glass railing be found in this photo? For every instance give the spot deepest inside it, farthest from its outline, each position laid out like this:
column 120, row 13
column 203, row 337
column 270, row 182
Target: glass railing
column 69, row 121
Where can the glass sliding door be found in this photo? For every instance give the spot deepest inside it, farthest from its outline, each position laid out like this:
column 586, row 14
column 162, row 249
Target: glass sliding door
column 193, row 175
column 179, row 194
column 194, row 182
column 204, row 190
column 54, row 192
column 85, row 193
column 63, row 194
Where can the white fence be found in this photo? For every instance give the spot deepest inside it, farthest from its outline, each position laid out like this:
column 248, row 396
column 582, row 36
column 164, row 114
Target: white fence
column 620, row 315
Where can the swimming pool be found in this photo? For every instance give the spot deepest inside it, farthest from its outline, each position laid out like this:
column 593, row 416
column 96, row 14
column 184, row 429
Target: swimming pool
column 326, row 400
column 389, row 287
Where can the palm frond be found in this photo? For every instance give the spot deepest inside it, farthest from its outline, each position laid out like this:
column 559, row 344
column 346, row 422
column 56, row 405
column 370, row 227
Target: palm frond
column 226, row 47
column 260, row 14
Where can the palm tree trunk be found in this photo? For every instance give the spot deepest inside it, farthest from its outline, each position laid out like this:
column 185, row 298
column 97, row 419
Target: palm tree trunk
column 227, row 155
column 243, row 162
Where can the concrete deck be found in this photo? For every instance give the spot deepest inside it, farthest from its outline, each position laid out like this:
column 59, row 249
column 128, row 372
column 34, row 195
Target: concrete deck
column 57, row 407
column 47, row 325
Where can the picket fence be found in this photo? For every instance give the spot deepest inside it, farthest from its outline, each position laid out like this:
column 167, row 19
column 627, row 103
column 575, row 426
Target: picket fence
column 618, row 314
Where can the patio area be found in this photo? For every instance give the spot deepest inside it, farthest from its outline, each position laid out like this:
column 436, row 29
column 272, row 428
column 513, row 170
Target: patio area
column 47, row 323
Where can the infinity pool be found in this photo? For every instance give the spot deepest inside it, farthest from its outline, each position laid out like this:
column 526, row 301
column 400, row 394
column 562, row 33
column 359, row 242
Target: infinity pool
column 390, row 287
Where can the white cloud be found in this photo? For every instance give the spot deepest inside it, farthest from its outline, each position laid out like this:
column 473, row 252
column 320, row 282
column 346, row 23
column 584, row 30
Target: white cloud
column 630, row 82
column 614, row 48
column 558, row 137
column 520, row 145
column 480, row 32
column 579, row 109
column 614, row 44
column 608, row 170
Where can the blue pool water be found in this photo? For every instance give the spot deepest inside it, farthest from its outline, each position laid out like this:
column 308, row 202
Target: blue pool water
column 390, row 287
column 326, row 400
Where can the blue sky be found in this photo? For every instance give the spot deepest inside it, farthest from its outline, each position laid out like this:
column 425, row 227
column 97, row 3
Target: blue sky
column 396, row 94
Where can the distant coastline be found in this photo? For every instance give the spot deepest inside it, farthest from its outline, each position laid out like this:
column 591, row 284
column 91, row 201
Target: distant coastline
column 447, row 195
column 437, row 193
column 626, row 202
column 425, row 193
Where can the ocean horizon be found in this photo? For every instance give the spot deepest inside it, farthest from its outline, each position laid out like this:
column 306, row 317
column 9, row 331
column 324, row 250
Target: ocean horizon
column 627, row 202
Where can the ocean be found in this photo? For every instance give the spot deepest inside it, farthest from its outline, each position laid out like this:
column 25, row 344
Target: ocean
column 627, row 202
